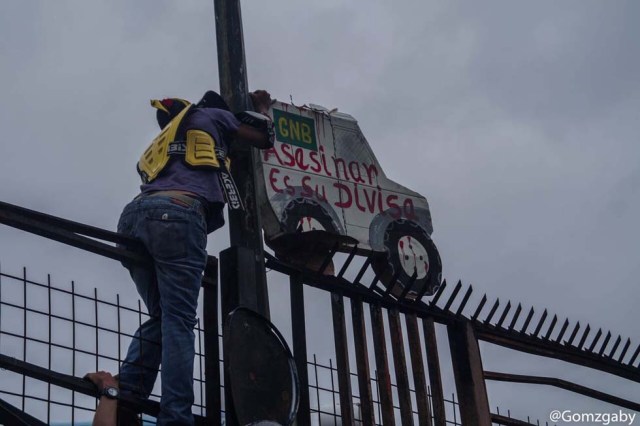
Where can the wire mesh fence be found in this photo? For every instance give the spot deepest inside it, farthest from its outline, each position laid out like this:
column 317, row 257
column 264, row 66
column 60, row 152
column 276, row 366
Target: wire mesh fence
column 69, row 332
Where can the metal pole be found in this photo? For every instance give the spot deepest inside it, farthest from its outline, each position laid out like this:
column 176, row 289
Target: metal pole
column 244, row 226
column 299, row 336
column 211, row 344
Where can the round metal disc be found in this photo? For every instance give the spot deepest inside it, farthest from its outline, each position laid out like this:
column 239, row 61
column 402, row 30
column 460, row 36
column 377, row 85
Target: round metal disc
column 263, row 377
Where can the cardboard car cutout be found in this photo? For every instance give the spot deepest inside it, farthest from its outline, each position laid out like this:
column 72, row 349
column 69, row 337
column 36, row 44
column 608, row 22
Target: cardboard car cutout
column 322, row 175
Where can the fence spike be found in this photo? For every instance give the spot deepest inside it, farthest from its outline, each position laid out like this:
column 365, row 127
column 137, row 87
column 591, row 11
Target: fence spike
column 329, row 258
column 584, row 336
column 635, row 355
column 407, row 287
column 562, row 331
column 527, row 321
column 492, row 311
column 540, row 323
column 422, row 292
column 615, row 346
column 454, row 294
column 624, row 350
column 551, row 327
column 364, row 268
column 479, row 308
column 605, row 343
column 504, row 314
column 465, row 299
column 394, row 281
column 515, row 317
column 438, row 294
column 595, row 340
column 346, row 264
column 574, row 333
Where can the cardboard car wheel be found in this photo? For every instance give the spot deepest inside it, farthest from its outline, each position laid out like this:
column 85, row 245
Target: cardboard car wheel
column 303, row 215
column 408, row 251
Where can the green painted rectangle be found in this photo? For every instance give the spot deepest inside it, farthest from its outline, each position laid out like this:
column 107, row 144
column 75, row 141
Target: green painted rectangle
column 295, row 129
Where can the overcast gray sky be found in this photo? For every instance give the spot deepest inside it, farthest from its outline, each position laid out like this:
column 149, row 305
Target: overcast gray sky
column 519, row 122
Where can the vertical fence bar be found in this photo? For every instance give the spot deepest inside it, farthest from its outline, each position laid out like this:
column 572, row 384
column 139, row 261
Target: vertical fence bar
column 400, row 364
column 315, row 372
column 382, row 366
column 435, row 377
column 468, row 374
column 417, row 366
column 73, row 346
column 342, row 358
column 97, row 336
column 24, row 340
column 362, row 363
column 299, row 334
column 211, row 343
column 49, row 347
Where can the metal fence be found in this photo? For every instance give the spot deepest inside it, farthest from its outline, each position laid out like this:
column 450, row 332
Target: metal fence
column 72, row 333
column 50, row 336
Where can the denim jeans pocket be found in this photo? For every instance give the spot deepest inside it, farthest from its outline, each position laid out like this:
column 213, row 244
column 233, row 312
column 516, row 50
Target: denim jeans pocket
column 167, row 237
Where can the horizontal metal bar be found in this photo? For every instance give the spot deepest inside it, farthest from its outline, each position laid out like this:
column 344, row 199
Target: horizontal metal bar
column 67, row 225
column 70, row 382
column 562, row 384
column 508, row 421
column 11, row 415
column 60, row 234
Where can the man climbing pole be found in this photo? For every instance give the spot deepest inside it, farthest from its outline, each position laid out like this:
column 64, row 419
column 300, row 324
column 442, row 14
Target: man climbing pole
column 185, row 186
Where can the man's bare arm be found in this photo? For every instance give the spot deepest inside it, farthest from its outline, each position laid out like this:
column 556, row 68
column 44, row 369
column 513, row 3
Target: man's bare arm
column 107, row 411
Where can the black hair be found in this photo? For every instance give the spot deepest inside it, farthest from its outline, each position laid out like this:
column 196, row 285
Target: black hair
column 212, row 100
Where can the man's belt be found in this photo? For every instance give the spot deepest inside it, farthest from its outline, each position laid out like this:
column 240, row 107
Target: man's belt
column 181, row 198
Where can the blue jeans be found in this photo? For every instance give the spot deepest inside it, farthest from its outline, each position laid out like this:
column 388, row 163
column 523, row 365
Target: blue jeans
column 175, row 235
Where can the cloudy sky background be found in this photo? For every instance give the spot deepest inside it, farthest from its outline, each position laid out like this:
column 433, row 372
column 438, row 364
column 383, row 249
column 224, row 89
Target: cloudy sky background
column 518, row 121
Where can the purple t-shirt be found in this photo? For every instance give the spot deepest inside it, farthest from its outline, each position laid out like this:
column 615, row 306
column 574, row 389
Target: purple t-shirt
column 176, row 175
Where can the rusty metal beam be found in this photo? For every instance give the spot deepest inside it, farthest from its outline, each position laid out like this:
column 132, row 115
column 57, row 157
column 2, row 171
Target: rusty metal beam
column 382, row 366
column 468, row 374
column 400, row 364
column 435, row 376
column 417, row 367
column 362, row 363
column 342, row 358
